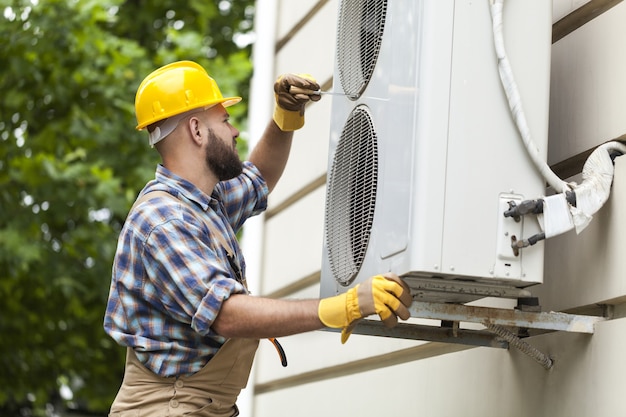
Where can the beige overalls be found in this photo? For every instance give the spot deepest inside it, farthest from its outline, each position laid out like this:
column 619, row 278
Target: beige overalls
column 211, row 392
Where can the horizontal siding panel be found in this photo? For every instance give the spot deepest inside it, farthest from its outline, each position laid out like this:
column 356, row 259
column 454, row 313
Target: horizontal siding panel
column 293, row 243
column 588, row 86
column 312, row 48
column 322, row 350
column 309, row 153
column 291, row 12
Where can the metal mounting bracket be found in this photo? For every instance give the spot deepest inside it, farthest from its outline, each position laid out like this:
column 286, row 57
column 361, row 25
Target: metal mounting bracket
column 502, row 326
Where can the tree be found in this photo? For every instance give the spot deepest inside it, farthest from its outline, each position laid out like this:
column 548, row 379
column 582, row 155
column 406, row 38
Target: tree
column 72, row 164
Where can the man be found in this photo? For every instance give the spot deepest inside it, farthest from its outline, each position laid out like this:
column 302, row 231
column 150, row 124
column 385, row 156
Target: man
column 178, row 298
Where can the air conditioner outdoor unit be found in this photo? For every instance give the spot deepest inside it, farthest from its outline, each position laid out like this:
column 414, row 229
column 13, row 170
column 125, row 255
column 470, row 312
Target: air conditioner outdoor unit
column 424, row 154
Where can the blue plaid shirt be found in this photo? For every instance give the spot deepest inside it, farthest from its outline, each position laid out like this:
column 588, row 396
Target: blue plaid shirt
column 170, row 277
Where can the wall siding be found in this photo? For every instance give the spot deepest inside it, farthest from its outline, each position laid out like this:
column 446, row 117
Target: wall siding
column 371, row 376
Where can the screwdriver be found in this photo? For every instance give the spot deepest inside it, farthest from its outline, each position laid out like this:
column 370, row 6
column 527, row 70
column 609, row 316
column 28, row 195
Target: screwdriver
column 298, row 90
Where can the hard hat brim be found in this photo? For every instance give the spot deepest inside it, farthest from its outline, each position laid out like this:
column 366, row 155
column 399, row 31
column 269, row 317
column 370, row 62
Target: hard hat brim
column 226, row 102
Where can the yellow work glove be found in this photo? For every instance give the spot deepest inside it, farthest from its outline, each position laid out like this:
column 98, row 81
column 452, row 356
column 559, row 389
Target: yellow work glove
column 386, row 295
column 292, row 92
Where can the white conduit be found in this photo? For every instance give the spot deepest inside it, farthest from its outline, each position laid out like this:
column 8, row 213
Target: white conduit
column 558, row 215
column 515, row 101
column 597, row 177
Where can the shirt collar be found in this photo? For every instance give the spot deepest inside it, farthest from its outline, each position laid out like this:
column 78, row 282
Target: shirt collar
column 174, row 183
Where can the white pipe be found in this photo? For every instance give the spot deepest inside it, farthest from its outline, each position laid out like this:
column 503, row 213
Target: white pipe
column 515, row 101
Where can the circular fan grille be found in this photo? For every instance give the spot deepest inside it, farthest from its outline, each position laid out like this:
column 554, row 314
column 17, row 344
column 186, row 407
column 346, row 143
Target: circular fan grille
column 352, row 196
column 359, row 35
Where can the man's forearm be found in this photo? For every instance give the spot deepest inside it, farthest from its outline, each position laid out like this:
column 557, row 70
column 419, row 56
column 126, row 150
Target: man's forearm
column 244, row 316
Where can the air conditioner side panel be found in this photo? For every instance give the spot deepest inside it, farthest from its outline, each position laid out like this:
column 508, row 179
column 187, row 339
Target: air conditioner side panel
column 486, row 156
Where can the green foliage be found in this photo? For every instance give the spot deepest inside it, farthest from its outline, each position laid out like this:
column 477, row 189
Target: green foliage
column 71, row 163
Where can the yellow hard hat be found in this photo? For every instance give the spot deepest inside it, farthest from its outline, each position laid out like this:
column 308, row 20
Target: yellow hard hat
column 174, row 89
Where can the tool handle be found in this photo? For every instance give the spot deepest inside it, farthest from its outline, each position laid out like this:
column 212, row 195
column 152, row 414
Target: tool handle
column 280, row 350
column 299, row 90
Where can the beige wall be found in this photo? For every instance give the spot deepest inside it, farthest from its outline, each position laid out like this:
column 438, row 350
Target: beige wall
column 371, row 376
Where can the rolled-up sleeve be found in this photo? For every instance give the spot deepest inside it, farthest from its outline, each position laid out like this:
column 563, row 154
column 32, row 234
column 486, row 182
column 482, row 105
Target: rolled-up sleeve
column 186, row 277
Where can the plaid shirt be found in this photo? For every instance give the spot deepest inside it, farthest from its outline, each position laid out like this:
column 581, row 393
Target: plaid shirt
column 170, row 278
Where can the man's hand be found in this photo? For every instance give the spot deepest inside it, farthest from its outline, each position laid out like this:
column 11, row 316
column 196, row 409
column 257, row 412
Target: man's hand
column 289, row 109
column 386, row 295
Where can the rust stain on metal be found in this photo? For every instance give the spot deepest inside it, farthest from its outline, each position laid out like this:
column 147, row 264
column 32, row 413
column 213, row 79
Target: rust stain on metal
column 505, row 317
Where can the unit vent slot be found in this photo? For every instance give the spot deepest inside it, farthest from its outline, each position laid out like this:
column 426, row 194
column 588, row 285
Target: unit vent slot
column 352, row 196
column 359, row 35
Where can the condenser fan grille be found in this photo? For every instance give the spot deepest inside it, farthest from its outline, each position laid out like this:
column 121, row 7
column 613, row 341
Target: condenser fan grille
column 352, row 196
column 359, row 35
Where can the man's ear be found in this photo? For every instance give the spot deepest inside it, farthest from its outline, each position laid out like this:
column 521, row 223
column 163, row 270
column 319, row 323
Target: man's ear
column 195, row 130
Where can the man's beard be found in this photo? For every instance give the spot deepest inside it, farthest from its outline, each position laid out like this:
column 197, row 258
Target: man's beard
column 222, row 159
